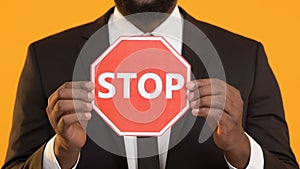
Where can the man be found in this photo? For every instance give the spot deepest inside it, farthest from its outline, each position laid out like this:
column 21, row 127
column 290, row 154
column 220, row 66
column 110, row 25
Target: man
column 252, row 132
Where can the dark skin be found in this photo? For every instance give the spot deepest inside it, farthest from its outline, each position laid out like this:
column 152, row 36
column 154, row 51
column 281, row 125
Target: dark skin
column 224, row 105
column 63, row 104
column 146, row 14
column 70, row 126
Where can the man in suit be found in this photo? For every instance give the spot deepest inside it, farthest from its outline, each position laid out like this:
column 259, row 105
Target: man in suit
column 251, row 133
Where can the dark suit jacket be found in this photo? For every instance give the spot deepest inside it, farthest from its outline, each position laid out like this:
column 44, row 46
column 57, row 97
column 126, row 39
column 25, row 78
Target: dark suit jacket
column 50, row 63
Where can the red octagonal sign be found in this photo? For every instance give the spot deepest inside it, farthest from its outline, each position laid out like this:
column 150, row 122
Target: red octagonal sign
column 140, row 86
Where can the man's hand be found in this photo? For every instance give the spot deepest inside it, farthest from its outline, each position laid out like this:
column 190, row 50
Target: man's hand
column 69, row 106
column 221, row 103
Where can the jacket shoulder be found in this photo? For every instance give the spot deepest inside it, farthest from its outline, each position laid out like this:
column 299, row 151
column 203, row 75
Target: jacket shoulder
column 63, row 37
column 71, row 36
column 216, row 33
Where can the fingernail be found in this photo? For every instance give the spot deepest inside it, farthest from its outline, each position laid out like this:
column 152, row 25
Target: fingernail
column 191, row 96
column 88, row 115
column 195, row 112
column 190, row 85
column 90, row 96
column 89, row 85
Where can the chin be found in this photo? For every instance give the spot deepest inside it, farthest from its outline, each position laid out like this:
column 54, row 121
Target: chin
column 128, row 7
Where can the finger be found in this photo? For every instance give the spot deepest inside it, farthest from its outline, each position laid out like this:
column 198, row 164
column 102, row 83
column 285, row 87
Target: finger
column 63, row 107
column 67, row 120
column 217, row 101
column 84, row 118
column 74, row 94
column 54, row 97
column 192, row 85
column 86, row 85
column 231, row 106
column 193, row 95
column 202, row 82
column 206, row 91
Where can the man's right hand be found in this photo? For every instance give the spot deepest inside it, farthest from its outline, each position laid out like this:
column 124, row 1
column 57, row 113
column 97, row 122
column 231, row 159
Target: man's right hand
column 69, row 106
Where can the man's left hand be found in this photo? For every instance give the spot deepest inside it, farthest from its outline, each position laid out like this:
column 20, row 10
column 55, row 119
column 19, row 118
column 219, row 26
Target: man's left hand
column 222, row 106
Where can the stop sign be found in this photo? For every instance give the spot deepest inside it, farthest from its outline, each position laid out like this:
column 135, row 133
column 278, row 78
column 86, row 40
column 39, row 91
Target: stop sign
column 140, row 86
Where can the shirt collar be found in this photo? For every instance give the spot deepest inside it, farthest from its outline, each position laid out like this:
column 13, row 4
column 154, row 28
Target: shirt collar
column 171, row 29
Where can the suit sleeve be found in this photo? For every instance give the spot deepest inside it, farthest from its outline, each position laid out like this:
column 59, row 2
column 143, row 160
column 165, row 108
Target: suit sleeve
column 31, row 128
column 265, row 118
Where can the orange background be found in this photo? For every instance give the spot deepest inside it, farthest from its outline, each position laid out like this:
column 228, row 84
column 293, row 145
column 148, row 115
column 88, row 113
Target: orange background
column 275, row 23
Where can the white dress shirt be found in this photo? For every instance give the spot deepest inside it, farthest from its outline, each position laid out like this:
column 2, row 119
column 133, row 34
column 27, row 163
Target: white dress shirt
column 172, row 30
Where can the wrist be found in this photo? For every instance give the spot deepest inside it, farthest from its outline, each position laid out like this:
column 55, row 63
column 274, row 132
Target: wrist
column 62, row 145
column 239, row 154
column 67, row 156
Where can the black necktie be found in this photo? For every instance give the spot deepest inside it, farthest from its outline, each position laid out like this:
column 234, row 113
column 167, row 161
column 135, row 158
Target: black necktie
column 148, row 157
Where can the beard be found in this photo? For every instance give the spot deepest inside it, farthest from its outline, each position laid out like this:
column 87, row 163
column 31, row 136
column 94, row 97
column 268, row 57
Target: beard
column 128, row 7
